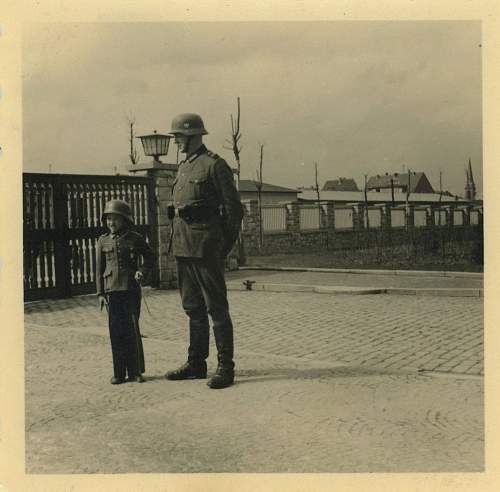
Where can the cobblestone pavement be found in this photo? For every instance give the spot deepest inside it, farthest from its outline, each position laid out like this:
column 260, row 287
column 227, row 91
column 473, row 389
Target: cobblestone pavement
column 324, row 384
column 283, row 414
column 389, row 332
column 358, row 280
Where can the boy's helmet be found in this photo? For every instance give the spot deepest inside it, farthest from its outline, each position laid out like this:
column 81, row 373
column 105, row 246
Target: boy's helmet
column 188, row 124
column 118, row 207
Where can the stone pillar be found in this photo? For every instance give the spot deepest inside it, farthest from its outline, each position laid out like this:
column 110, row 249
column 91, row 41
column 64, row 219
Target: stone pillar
column 330, row 216
column 163, row 176
column 410, row 216
column 467, row 215
column 293, row 217
column 449, row 216
column 358, row 217
column 430, row 216
column 385, row 220
column 251, row 231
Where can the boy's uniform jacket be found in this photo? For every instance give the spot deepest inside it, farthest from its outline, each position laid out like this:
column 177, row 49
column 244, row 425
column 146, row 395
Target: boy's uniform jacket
column 117, row 260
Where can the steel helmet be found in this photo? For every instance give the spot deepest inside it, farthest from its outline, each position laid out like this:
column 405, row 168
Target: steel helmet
column 118, row 207
column 188, row 124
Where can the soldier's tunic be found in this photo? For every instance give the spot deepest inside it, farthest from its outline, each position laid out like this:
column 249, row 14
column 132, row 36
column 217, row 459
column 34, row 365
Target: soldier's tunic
column 206, row 226
column 117, row 257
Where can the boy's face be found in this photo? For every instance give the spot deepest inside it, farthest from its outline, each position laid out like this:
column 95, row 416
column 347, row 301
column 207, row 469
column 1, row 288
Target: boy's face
column 115, row 222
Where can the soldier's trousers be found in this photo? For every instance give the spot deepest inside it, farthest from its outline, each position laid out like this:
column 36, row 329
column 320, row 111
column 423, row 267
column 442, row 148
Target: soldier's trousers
column 126, row 343
column 203, row 292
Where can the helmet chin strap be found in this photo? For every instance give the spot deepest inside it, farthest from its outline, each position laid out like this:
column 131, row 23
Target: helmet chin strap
column 189, row 139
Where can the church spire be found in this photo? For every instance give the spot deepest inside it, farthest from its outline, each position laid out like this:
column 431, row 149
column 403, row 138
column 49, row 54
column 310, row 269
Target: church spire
column 470, row 186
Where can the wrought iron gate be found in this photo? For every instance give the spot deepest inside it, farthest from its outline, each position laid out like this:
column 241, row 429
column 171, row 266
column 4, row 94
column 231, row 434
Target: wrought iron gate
column 62, row 221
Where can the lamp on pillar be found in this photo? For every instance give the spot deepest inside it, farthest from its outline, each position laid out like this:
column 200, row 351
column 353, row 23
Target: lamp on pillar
column 155, row 145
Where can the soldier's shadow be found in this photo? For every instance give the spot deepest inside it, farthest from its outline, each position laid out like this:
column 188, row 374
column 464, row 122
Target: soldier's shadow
column 286, row 373
column 155, row 377
column 323, row 373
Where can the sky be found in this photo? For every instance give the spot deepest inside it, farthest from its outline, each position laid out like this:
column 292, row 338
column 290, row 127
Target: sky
column 357, row 97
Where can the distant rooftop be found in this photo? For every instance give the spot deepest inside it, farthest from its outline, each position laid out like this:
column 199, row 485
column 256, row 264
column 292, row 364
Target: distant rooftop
column 249, row 185
column 418, row 181
column 341, row 184
column 377, row 197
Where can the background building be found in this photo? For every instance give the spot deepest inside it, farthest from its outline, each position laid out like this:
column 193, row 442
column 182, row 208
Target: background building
column 374, row 197
column 270, row 193
column 418, row 182
column 341, row 184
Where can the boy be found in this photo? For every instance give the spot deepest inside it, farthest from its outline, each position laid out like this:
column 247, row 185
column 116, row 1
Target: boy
column 118, row 281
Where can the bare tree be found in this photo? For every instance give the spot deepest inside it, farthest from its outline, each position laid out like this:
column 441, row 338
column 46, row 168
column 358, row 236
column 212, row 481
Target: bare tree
column 408, row 200
column 367, row 217
column 259, row 196
column 235, row 141
column 234, row 145
column 440, row 194
column 133, row 152
column 316, row 187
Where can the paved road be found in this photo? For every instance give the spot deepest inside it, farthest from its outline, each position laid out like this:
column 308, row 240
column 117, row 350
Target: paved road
column 324, row 384
column 282, row 415
column 389, row 332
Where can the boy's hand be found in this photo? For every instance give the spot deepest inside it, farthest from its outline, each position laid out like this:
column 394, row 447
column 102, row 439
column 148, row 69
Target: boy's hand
column 139, row 277
column 102, row 301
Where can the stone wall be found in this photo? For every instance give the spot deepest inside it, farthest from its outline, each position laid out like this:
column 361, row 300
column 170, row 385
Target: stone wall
column 465, row 239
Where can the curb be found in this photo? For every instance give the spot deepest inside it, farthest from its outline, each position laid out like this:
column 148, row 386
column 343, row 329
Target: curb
column 318, row 289
column 413, row 273
column 337, row 290
column 445, row 292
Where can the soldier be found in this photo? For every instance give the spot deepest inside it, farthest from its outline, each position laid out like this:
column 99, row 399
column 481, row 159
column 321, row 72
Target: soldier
column 118, row 280
column 206, row 216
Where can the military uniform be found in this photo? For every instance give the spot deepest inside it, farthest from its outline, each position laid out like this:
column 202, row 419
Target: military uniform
column 207, row 215
column 116, row 264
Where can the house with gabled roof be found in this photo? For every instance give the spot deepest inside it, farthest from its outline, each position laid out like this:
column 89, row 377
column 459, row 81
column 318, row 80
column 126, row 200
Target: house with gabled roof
column 341, row 184
column 418, row 182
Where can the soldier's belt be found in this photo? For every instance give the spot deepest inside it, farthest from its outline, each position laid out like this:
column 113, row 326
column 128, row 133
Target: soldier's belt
column 191, row 214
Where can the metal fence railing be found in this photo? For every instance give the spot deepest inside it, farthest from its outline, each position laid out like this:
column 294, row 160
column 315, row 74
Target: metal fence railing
column 274, row 217
column 440, row 218
column 420, row 217
column 310, row 217
column 315, row 216
column 474, row 217
column 374, row 218
column 458, row 217
column 398, row 217
column 344, row 218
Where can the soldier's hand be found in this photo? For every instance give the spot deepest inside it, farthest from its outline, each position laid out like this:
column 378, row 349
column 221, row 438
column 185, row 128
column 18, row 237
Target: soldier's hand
column 139, row 277
column 102, row 301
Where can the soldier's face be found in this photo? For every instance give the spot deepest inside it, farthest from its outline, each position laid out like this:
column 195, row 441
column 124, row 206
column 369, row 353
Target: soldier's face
column 182, row 142
column 115, row 222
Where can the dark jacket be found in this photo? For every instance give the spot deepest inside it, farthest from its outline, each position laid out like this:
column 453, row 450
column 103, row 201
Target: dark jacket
column 205, row 187
column 117, row 258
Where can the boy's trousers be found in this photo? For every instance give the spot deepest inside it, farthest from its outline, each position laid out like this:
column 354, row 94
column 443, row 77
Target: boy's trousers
column 126, row 344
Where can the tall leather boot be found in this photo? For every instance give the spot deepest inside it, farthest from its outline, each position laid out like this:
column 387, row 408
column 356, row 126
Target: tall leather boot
column 196, row 365
column 223, row 332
